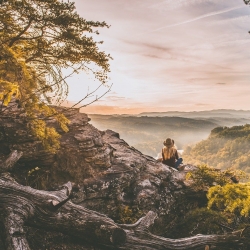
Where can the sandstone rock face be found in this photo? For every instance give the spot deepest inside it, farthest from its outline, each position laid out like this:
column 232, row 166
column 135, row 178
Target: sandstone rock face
column 109, row 176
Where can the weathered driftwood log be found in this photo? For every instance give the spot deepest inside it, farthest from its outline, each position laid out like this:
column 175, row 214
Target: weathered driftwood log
column 52, row 210
column 22, row 205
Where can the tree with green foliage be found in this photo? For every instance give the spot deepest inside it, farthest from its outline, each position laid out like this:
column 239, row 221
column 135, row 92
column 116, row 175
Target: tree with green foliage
column 228, row 204
column 204, row 177
column 233, row 198
column 39, row 40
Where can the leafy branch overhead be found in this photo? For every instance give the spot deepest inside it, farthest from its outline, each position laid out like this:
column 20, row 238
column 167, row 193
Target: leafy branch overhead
column 39, row 39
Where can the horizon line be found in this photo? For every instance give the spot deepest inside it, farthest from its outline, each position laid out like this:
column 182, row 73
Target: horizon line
column 161, row 112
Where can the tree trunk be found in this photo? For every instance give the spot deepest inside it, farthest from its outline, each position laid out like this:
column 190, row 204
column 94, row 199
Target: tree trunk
column 52, row 210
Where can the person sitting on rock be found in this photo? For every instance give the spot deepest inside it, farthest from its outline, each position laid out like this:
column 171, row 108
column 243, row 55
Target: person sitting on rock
column 170, row 155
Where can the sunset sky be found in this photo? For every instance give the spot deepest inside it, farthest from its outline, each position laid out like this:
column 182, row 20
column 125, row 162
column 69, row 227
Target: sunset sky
column 170, row 55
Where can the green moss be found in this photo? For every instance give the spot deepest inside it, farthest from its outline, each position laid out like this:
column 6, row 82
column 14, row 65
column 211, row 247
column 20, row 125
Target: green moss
column 128, row 214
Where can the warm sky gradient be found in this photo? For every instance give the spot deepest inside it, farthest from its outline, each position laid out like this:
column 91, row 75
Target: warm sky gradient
column 180, row 55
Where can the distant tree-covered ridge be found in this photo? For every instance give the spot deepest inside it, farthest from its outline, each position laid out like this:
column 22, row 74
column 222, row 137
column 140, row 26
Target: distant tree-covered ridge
column 226, row 147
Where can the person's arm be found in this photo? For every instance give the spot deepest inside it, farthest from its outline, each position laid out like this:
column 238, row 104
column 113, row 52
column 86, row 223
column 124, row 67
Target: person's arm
column 176, row 155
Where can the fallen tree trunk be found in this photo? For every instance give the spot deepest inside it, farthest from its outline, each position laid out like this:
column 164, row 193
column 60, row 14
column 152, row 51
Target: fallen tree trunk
column 22, row 205
column 52, row 210
column 141, row 237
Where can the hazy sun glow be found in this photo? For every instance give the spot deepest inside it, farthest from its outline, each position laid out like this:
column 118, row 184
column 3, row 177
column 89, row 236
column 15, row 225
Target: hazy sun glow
column 171, row 55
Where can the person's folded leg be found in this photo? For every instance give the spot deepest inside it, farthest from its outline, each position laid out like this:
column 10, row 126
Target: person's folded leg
column 178, row 162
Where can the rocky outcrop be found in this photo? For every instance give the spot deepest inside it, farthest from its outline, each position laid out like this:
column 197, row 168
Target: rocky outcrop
column 109, row 176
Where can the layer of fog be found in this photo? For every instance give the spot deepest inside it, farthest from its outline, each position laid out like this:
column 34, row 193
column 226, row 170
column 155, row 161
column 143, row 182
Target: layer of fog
column 147, row 133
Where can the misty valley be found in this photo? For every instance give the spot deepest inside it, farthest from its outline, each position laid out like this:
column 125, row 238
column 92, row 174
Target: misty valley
column 190, row 130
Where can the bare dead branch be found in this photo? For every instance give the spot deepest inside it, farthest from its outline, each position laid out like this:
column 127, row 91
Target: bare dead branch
column 97, row 98
column 13, row 157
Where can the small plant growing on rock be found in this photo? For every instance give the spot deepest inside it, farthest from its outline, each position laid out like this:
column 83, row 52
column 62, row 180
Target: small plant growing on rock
column 129, row 215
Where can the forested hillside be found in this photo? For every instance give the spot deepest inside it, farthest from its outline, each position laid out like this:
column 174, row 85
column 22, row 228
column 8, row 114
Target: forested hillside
column 226, row 147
